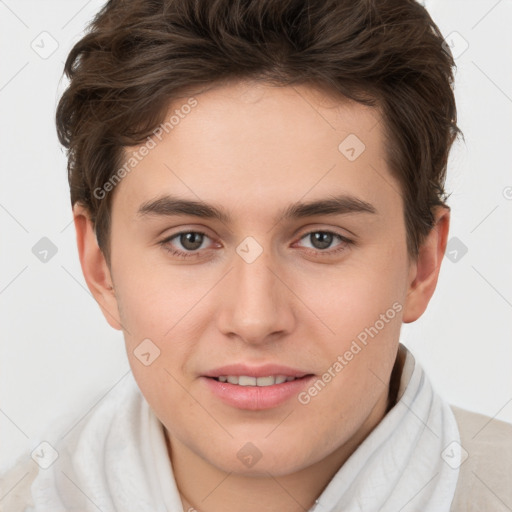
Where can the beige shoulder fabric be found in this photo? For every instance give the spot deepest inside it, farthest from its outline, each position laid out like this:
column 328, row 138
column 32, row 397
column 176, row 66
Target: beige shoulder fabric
column 15, row 484
column 485, row 477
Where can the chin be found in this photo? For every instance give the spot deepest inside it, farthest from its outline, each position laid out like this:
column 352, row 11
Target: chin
column 259, row 459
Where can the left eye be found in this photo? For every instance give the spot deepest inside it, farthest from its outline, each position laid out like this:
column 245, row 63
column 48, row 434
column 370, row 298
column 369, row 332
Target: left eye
column 322, row 240
column 190, row 241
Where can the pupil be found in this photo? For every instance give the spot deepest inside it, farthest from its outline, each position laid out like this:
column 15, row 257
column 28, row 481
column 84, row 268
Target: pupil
column 191, row 241
column 322, row 240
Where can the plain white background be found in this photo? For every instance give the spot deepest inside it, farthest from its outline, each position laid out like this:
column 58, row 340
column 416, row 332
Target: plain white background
column 58, row 355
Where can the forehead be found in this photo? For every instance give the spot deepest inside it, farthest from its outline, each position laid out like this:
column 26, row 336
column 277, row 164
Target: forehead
column 251, row 145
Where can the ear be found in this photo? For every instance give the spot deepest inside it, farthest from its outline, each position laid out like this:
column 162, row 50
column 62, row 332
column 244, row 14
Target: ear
column 424, row 272
column 94, row 266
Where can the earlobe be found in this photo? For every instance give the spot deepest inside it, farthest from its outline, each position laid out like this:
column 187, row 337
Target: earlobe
column 425, row 271
column 94, row 266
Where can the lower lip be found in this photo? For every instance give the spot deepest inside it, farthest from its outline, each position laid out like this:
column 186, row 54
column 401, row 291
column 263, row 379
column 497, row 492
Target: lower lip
column 255, row 398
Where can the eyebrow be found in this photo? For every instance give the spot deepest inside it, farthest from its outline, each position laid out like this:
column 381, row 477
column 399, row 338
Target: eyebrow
column 169, row 205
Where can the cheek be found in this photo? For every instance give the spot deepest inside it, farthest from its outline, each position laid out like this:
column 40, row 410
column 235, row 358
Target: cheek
column 353, row 296
column 156, row 300
column 159, row 335
column 155, row 309
column 361, row 311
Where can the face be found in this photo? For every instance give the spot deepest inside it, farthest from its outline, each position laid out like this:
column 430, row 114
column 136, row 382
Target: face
column 295, row 266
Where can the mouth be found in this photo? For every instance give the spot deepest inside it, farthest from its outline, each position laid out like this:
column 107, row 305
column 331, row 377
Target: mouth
column 256, row 388
column 247, row 380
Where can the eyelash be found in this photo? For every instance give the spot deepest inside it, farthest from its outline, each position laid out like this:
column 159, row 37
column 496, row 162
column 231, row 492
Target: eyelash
column 316, row 252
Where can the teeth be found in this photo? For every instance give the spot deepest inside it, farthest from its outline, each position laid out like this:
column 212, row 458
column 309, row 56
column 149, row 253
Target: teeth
column 245, row 380
column 266, row 381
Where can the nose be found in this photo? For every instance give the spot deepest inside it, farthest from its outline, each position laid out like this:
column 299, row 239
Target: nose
column 257, row 306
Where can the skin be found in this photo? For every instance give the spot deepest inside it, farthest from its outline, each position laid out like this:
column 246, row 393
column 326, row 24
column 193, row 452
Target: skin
column 255, row 149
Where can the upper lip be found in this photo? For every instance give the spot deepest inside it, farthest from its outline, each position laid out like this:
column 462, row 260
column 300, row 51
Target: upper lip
column 256, row 371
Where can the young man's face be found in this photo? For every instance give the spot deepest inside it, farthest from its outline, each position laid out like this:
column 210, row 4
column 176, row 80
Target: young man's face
column 261, row 288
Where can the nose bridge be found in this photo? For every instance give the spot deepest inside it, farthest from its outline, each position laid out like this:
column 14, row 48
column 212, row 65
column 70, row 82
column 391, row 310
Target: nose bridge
column 256, row 282
column 257, row 303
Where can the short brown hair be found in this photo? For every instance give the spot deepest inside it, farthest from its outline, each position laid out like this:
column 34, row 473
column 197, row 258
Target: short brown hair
column 138, row 55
